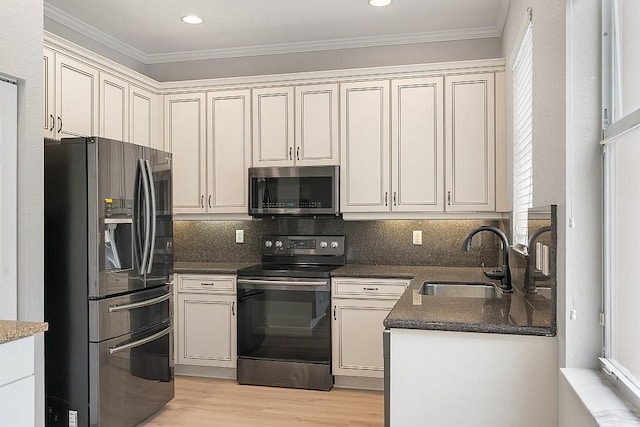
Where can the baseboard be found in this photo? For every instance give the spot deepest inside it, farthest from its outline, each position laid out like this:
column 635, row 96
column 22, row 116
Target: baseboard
column 360, row 383
column 206, row 371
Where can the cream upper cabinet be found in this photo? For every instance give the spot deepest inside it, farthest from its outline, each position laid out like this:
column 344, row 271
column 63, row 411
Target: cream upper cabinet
column 144, row 117
column 228, row 150
column 364, row 171
column 316, row 124
column 114, row 107
column 273, row 126
column 71, row 97
column 470, row 142
column 296, row 126
column 417, row 145
column 185, row 135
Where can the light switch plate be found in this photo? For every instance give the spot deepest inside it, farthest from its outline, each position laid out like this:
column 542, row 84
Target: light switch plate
column 417, row 237
column 239, row 236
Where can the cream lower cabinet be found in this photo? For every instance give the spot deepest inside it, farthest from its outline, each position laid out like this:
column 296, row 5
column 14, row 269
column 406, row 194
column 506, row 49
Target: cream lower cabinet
column 206, row 326
column 17, row 389
column 359, row 308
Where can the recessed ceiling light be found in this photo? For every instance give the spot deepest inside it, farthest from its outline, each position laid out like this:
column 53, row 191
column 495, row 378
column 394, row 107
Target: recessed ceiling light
column 379, row 3
column 192, row 19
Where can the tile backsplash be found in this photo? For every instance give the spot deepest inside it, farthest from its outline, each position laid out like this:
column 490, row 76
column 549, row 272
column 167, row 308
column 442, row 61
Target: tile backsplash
column 368, row 242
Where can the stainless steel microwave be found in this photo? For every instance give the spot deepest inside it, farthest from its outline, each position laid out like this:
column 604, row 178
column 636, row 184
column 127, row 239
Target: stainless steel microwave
column 294, row 191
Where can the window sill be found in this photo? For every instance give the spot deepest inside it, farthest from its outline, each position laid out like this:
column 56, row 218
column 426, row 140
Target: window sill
column 606, row 404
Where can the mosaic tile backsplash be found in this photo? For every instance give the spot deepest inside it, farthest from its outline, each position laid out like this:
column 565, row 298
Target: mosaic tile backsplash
column 368, row 242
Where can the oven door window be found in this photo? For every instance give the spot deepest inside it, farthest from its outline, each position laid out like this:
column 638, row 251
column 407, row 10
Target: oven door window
column 291, row 325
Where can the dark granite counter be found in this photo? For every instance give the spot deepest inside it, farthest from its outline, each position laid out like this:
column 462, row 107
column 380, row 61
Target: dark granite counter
column 516, row 313
column 209, row 267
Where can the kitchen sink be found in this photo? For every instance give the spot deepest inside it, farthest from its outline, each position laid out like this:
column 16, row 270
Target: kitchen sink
column 460, row 289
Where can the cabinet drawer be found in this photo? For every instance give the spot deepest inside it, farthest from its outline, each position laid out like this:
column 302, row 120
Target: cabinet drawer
column 207, row 283
column 370, row 288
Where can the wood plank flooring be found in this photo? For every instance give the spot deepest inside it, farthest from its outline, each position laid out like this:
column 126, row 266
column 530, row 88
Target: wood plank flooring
column 215, row 402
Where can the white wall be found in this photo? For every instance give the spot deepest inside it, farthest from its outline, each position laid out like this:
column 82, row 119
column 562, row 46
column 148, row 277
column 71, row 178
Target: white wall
column 21, row 58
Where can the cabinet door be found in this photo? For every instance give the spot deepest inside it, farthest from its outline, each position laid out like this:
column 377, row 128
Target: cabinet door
column 207, row 335
column 114, row 107
column 185, row 133
column 357, row 336
column 364, row 171
column 273, row 127
column 49, row 116
column 142, row 106
column 470, row 142
column 417, row 145
column 317, row 125
column 76, row 94
column 228, row 150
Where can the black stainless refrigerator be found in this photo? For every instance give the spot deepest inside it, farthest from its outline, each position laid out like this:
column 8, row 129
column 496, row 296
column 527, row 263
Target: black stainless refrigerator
column 108, row 299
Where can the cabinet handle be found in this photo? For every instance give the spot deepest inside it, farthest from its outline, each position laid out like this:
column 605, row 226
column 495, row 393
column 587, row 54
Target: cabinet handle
column 209, row 200
column 370, row 289
column 298, row 153
column 449, row 198
column 60, row 127
column 334, row 313
column 207, row 284
column 202, row 201
column 386, row 194
column 395, row 203
column 53, row 122
column 290, row 153
column 233, row 308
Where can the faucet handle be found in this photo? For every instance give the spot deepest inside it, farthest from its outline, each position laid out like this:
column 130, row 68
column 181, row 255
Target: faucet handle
column 493, row 274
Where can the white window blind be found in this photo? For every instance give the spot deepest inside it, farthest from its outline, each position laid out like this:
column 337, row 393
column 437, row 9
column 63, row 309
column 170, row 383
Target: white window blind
column 522, row 138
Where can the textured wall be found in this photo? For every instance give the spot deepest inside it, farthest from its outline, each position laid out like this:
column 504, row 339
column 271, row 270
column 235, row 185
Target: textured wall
column 21, row 59
column 368, row 242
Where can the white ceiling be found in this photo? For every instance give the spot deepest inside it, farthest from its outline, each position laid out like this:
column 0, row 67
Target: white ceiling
column 150, row 31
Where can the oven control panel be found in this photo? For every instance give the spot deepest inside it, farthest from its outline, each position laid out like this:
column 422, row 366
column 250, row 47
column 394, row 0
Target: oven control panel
column 303, row 245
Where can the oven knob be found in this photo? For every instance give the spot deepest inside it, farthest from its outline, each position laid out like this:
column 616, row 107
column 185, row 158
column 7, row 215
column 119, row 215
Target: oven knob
column 278, row 244
column 323, row 244
column 334, row 244
column 268, row 243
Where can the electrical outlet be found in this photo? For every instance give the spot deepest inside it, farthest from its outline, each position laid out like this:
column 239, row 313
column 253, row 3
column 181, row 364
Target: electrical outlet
column 239, row 236
column 417, row 237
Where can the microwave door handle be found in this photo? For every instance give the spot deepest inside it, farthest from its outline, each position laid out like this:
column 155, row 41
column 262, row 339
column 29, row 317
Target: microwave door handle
column 152, row 215
column 147, row 208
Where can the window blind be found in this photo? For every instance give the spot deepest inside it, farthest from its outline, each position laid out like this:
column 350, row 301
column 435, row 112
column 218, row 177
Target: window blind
column 522, row 138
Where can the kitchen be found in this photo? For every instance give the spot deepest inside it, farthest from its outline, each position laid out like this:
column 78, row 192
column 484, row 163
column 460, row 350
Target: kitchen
column 578, row 340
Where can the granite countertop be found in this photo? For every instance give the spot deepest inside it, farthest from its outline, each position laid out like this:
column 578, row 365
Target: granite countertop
column 516, row 313
column 209, row 267
column 14, row 329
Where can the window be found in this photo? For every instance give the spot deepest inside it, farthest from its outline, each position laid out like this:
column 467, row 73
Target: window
column 522, row 137
column 621, row 123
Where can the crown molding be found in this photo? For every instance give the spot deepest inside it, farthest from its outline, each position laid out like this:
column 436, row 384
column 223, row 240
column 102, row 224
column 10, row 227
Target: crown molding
column 93, row 33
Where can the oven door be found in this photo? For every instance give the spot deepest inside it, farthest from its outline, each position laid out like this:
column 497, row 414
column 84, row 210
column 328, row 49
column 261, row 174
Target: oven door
column 284, row 319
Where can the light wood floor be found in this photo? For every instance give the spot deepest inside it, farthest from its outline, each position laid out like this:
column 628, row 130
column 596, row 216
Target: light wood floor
column 213, row 402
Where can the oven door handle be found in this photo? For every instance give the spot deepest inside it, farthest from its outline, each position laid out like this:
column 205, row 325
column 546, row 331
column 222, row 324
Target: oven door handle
column 142, row 341
column 285, row 285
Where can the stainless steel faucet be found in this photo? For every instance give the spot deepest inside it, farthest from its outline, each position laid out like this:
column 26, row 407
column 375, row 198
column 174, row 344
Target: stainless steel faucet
column 531, row 275
column 504, row 274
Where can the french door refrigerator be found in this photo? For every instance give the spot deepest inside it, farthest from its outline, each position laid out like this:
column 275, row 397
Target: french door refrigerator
column 108, row 299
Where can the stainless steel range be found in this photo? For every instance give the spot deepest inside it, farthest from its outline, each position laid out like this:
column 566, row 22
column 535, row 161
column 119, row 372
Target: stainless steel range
column 284, row 319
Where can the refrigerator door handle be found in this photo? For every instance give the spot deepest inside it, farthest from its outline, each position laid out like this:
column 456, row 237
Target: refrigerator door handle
column 140, row 304
column 145, row 340
column 147, row 209
column 137, row 238
column 152, row 214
